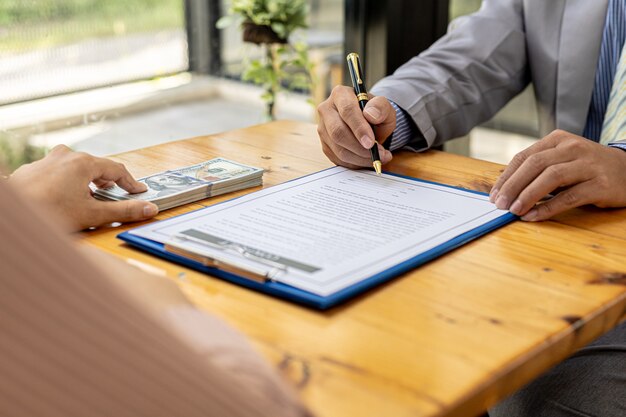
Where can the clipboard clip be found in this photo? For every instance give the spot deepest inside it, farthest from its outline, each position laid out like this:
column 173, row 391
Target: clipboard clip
column 261, row 275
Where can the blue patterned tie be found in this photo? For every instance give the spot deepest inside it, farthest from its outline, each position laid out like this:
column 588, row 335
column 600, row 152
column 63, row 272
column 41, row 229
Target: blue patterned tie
column 610, row 51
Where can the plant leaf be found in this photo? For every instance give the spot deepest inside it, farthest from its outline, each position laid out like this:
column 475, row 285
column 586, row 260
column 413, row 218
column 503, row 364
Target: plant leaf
column 225, row 21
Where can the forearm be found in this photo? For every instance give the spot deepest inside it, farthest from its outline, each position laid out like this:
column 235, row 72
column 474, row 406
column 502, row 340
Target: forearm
column 226, row 349
column 218, row 345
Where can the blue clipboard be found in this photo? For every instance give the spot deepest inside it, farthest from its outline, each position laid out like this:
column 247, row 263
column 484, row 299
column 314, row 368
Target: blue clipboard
column 290, row 293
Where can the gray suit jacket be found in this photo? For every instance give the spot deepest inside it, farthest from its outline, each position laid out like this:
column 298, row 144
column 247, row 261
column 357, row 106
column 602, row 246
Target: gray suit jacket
column 492, row 55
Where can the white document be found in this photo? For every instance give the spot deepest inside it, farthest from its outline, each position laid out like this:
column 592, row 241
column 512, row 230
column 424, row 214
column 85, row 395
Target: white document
column 329, row 230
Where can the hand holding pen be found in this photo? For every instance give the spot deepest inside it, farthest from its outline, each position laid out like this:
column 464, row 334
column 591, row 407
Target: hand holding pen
column 347, row 132
column 358, row 82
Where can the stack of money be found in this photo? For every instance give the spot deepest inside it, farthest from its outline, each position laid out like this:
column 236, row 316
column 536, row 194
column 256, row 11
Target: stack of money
column 188, row 184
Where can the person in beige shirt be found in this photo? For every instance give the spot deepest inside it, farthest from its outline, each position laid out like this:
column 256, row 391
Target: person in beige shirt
column 83, row 334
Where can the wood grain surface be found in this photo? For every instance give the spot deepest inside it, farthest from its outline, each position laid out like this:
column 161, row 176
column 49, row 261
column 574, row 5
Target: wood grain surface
column 450, row 338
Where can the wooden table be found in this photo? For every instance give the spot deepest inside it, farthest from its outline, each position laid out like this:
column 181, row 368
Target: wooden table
column 448, row 339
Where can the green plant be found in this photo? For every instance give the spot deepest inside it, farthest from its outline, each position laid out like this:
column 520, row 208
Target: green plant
column 269, row 24
column 15, row 152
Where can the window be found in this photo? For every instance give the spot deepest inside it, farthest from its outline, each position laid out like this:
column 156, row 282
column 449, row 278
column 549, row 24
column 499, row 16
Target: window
column 49, row 47
column 324, row 37
column 463, row 7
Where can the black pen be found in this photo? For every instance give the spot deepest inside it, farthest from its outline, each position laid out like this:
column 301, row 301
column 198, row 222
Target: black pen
column 358, row 82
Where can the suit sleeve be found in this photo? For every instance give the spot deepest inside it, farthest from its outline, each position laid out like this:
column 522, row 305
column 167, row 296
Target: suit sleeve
column 466, row 76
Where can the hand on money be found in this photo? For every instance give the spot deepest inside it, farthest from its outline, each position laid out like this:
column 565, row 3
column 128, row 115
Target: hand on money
column 188, row 184
column 60, row 182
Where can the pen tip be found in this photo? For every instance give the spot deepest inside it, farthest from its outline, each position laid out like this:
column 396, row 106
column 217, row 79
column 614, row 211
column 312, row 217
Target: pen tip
column 378, row 167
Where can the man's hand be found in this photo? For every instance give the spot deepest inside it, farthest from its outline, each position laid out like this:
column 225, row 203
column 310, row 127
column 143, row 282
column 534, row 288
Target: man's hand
column 60, row 183
column 344, row 130
column 578, row 171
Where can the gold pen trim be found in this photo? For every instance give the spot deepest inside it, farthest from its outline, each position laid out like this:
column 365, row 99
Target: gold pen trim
column 378, row 167
column 354, row 57
column 362, row 96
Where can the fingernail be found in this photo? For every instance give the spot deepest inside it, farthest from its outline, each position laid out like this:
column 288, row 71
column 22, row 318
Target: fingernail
column 502, row 202
column 373, row 112
column 531, row 216
column 150, row 210
column 493, row 194
column 516, row 207
column 367, row 142
column 387, row 156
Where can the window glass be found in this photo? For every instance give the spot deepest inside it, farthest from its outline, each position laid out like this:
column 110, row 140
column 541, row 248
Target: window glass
column 463, row 7
column 324, row 37
column 64, row 69
column 49, row 47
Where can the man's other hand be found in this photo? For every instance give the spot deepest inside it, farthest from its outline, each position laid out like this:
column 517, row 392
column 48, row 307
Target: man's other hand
column 60, row 183
column 575, row 170
column 345, row 131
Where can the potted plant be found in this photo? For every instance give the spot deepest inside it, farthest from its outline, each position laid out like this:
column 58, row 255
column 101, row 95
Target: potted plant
column 269, row 24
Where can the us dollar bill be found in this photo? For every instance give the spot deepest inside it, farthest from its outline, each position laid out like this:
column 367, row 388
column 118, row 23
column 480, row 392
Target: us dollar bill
column 218, row 169
column 161, row 185
column 187, row 184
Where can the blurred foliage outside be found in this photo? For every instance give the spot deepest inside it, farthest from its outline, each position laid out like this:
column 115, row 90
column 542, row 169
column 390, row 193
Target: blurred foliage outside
column 32, row 24
column 15, row 152
column 463, row 7
column 28, row 25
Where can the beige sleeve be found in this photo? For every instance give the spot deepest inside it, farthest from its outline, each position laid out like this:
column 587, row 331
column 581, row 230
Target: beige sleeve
column 73, row 343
